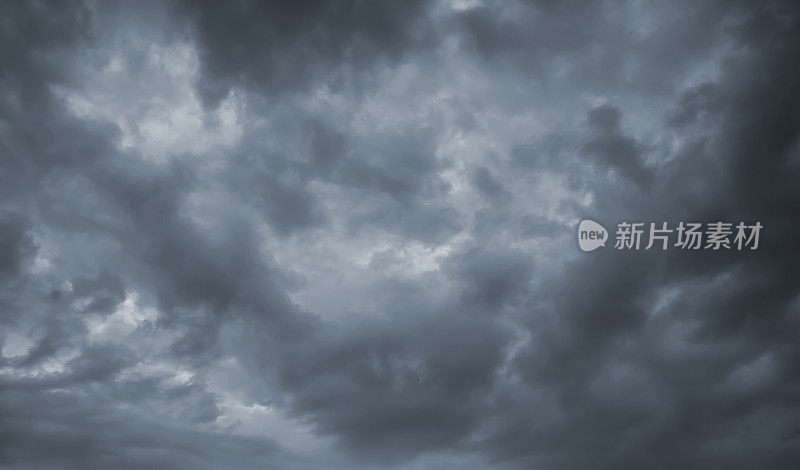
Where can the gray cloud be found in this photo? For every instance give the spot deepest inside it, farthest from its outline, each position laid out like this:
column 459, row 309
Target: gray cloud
column 280, row 47
column 613, row 148
column 340, row 235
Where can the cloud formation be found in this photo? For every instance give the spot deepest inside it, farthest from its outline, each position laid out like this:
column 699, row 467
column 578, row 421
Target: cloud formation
column 341, row 235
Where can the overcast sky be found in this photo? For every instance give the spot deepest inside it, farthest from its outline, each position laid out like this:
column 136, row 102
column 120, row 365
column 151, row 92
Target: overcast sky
column 342, row 235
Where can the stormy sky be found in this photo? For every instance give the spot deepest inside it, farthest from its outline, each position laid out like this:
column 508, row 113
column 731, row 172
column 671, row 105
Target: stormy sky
column 342, row 235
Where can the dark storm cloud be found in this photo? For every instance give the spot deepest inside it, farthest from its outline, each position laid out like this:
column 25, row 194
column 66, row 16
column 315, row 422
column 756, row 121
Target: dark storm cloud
column 15, row 244
column 707, row 377
column 393, row 176
column 394, row 390
column 595, row 46
column 72, row 417
column 614, row 149
column 486, row 183
column 275, row 47
column 183, row 310
column 59, row 430
column 491, row 277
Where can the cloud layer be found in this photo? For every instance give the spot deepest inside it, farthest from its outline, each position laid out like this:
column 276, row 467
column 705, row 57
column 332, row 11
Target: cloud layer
column 342, row 235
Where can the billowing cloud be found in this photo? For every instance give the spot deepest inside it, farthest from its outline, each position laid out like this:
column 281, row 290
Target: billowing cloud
column 342, row 235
